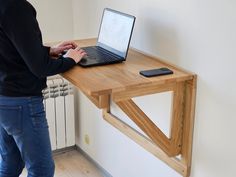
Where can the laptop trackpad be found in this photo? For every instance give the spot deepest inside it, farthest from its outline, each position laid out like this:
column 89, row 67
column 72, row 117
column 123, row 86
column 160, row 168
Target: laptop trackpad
column 87, row 60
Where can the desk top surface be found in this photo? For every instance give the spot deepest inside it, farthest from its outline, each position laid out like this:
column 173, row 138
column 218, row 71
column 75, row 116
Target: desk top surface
column 108, row 79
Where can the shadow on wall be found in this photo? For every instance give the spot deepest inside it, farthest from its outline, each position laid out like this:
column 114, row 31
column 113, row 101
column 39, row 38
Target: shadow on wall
column 159, row 36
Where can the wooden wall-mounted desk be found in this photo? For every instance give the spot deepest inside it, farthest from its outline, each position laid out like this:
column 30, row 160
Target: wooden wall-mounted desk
column 121, row 82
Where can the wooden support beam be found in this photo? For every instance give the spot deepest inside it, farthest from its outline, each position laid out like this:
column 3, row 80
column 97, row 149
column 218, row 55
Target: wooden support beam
column 166, row 149
column 145, row 124
column 101, row 101
column 142, row 90
column 188, row 123
column 176, row 127
column 137, row 137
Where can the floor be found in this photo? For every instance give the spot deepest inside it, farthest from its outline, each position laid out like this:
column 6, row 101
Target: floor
column 73, row 164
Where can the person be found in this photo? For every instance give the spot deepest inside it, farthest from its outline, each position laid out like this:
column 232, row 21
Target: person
column 24, row 65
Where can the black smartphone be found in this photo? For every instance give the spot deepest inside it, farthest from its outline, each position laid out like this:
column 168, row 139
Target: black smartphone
column 156, row 72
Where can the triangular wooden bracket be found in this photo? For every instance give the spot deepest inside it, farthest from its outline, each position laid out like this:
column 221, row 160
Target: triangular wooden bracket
column 180, row 141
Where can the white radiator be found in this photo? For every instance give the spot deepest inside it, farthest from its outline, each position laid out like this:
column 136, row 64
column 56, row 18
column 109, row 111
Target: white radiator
column 60, row 113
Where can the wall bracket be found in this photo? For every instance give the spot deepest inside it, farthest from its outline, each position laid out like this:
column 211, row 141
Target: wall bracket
column 166, row 149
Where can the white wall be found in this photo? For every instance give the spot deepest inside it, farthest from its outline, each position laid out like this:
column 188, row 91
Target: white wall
column 81, row 18
column 198, row 35
column 55, row 18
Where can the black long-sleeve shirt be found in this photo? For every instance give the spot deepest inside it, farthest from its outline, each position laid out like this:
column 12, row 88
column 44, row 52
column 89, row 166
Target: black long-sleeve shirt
column 24, row 61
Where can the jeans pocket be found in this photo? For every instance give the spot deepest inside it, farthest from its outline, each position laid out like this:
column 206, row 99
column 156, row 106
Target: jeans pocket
column 37, row 114
column 11, row 119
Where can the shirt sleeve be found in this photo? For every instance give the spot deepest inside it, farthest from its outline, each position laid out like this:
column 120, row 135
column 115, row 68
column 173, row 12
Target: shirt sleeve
column 21, row 27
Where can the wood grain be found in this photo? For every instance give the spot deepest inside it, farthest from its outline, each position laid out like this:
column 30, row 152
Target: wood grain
column 146, row 125
column 114, row 78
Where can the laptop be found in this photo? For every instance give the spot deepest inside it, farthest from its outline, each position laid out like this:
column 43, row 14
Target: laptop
column 113, row 40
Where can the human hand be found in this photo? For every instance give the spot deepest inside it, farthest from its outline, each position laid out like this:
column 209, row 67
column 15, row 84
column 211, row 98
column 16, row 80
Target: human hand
column 76, row 54
column 61, row 47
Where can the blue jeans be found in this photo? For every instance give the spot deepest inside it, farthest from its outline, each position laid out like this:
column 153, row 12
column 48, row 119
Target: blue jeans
column 24, row 138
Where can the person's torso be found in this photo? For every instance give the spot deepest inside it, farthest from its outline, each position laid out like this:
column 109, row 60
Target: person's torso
column 15, row 77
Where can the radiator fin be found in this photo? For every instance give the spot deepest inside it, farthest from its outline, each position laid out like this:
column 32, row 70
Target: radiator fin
column 60, row 112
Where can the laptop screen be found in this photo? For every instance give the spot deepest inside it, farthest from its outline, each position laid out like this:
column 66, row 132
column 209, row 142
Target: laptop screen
column 115, row 32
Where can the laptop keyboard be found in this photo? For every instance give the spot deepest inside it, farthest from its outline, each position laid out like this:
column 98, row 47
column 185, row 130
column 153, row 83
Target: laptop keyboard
column 100, row 54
